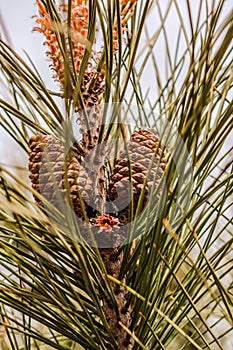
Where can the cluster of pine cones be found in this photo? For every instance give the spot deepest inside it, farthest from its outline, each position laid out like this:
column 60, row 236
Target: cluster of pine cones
column 137, row 171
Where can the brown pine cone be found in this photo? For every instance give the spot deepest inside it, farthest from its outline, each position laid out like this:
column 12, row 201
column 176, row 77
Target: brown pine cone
column 52, row 170
column 142, row 162
column 92, row 92
column 90, row 121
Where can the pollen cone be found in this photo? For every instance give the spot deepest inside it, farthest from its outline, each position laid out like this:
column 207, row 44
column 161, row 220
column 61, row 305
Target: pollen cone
column 53, row 171
column 139, row 167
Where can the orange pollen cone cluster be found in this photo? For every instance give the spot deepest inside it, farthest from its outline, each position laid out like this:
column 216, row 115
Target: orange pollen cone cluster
column 77, row 32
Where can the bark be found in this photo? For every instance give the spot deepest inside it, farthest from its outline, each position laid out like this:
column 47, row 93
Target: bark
column 113, row 260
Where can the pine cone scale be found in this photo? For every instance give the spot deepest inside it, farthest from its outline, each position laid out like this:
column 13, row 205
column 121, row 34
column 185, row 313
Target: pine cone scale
column 142, row 165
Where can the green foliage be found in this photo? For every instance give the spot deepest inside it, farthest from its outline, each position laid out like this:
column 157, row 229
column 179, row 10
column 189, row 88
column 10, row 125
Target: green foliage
column 180, row 273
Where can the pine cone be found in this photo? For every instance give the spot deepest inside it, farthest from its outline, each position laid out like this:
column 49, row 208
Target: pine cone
column 92, row 92
column 90, row 120
column 51, row 170
column 141, row 162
